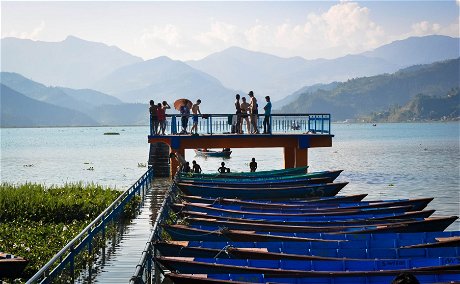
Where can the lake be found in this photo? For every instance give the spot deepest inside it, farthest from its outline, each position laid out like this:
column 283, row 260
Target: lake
column 387, row 161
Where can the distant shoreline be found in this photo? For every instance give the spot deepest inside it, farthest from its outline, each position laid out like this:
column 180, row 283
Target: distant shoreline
column 334, row 122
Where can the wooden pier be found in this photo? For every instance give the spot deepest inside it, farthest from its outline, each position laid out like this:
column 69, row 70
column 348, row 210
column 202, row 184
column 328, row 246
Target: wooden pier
column 295, row 133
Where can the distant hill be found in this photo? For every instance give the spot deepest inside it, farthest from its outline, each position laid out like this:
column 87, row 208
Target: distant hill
column 361, row 96
column 422, row 108
column 82, row 99
column 73, row 63
column 278, row 77
column 307, row 89
column 18, row 110
column 165, row 79
column 96, row 107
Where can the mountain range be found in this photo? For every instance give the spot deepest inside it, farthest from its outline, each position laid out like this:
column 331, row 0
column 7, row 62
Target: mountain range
column 111, row 86
column 162, row 79
column 77, row 63
column 278, row 77
column 73, row 62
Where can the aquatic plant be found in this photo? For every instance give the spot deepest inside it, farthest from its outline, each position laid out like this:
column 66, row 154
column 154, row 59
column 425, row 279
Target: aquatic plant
column 37, row 221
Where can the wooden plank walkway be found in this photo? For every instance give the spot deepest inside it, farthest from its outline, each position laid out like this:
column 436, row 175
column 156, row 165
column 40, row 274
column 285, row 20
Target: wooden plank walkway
column 124, row 251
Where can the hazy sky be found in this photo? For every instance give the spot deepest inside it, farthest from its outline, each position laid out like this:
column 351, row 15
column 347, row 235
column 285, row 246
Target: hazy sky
column 192, row 30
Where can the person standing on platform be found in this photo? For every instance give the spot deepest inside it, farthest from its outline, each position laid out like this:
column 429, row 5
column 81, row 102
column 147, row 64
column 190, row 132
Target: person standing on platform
column 253, row 165
column 196, row 168
column 153, row 118
column 164, row 107
column 267, row 115
column 238, row 115
column 161, row 114
column 185, row 113
column 244, row 115
column 254, row 110
column 195, row 111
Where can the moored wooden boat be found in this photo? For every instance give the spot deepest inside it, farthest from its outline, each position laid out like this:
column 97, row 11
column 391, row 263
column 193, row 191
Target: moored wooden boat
column 219, row 200
column 423, row 277
column 213, row 233
column 416, row 204
column 179, row 207
column 304, row 268
column 270, row 173
column 410, row 225
column 255, row 177
column 211, row 153
column 394, row 218
column 316, row 190
column 259, row 183
column 336, row 242
column 11, row 266
column 180, row 249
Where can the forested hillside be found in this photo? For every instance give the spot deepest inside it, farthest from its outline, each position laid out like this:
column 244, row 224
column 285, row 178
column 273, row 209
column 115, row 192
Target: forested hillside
column 362, row 96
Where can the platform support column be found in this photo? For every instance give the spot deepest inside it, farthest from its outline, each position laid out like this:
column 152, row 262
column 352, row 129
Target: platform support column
column 301, row 157
column 289, row 157
column 174, row 163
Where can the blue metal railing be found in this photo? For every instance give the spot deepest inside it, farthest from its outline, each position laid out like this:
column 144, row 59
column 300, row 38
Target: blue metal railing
column 209, row 124
column 146, row 269
column 83, row 242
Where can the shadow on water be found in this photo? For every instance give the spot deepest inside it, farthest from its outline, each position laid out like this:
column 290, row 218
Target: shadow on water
column 116, row 262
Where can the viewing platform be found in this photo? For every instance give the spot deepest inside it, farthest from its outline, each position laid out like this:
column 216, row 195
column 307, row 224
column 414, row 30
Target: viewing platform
column 296, row 133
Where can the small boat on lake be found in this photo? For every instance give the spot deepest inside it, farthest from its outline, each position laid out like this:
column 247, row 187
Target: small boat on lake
column 232, row 250
column 330, row 199
column 11, row 266
column 310, row 268
column 225, row 153
column 262, row 192
column 313, row 177
column 271, row 173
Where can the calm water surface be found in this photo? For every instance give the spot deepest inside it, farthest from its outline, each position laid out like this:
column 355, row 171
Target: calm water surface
column 385, row 161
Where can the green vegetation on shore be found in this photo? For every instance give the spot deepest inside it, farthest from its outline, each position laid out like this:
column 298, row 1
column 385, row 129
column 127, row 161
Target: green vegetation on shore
column 422, row 108
column 37, row 221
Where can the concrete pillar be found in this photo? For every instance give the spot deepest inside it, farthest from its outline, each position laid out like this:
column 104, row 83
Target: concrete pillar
column 301, row 157
column 289, row 157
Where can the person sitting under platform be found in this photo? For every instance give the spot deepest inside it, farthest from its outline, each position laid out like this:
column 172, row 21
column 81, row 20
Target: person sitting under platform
column 222, row 169
column 196, row 167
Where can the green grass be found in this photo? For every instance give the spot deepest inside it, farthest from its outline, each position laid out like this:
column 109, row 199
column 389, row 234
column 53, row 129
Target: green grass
column 37, row 221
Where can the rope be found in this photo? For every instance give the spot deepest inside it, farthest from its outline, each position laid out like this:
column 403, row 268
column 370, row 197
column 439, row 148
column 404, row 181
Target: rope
column 218, row 200
column 224, row 249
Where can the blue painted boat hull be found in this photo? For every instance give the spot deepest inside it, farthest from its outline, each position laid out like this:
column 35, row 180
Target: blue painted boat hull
column 322, row 190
